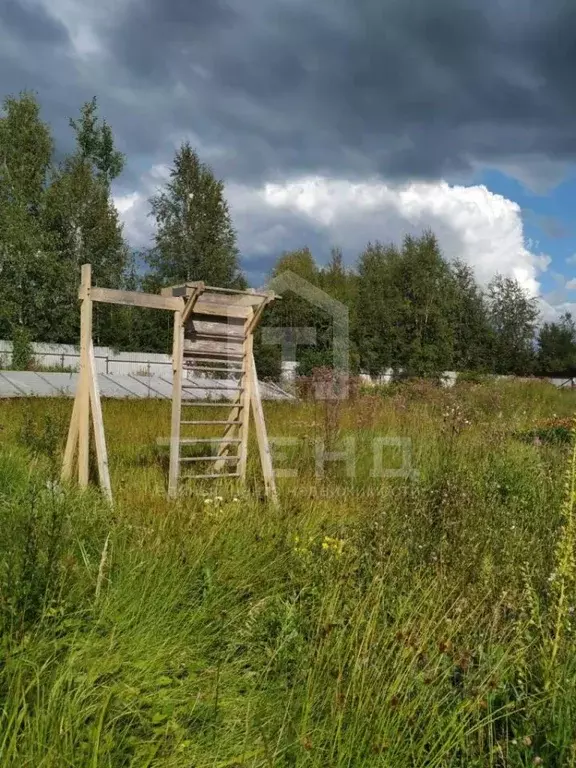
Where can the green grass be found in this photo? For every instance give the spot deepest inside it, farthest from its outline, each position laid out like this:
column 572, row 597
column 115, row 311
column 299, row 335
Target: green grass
column 398, row 622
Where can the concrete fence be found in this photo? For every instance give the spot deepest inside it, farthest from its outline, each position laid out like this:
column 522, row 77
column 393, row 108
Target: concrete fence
column 67, row 356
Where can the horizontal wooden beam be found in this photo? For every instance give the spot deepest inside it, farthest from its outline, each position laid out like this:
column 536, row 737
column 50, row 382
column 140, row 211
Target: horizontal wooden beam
column 136, row 299
column 223, row 296
column 218, row 310
column 231, row 347
column 186, row 289
column 201, row 327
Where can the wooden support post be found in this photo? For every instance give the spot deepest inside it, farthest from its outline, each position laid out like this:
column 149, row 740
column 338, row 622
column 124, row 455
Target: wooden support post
column 262, row 434
column 84, row 384
column 98, row 424
column 257, row 316
column 245, row 414
column 177, row 364
column 87, row 397
column 191, row 301
column 72, row 441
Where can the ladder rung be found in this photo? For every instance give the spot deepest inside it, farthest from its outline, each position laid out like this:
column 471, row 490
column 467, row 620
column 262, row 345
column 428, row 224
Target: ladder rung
column 214, row 368
column 206, row 477
column 235, row 359
column 192, row 440
column 231, row 338
column 239, row 421
column 201, row 403
column 209, row 458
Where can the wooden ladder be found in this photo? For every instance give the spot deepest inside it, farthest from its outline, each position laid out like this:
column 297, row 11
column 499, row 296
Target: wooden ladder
column 214, row 336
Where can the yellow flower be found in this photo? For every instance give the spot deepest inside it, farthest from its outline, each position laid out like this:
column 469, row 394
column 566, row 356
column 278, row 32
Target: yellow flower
column 335, row 545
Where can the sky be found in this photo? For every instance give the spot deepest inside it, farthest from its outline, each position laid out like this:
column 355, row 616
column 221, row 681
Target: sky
column 333, row 122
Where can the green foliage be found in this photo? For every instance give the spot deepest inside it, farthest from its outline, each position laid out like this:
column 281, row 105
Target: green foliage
column 406, row 308
column 26, row 249
column 555, row 431
column 268, row 357
column 22, row 354
column 557, row 345
column 410, row 311
column 473, row 334
column 40, row 552
column 95, row 143
column 395, row 622
column 194, row 237
column 297, row 317
column 52, row 219
column 513, row 318
column 85, row 223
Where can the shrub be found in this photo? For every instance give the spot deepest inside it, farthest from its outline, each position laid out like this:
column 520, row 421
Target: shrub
column 22, row 354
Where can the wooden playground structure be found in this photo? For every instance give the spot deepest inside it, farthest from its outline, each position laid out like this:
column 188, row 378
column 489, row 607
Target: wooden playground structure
column 213, row 333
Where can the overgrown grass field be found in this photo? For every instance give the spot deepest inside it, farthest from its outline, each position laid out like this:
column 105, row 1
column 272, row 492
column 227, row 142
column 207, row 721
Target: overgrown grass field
column 409, row 621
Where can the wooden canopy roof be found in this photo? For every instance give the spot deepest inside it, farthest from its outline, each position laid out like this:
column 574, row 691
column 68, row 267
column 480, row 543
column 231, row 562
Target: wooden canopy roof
column 217, row 320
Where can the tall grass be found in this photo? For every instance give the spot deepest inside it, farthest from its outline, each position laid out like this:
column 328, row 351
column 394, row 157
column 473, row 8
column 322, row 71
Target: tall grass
column 419, row 621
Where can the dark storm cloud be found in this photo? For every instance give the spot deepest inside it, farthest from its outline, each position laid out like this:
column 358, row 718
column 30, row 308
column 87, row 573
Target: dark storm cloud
column 406, row 88
column 401, row 88
column 31, row 23
column 156, row 42
column 35, row 55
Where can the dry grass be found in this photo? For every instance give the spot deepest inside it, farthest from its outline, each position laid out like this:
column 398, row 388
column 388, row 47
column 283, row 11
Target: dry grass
column 368, row 621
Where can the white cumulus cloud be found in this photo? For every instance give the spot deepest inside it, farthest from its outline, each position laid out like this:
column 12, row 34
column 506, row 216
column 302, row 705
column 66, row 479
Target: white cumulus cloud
column 471, row 222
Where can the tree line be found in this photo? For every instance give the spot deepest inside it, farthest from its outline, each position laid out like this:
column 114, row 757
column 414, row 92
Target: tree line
column 409, row 308
column 56, row 214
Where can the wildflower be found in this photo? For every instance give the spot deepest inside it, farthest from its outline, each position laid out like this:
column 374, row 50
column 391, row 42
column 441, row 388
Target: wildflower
column 218, row 498
column 207, row 501
column 235, row 498
column 335, row 545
